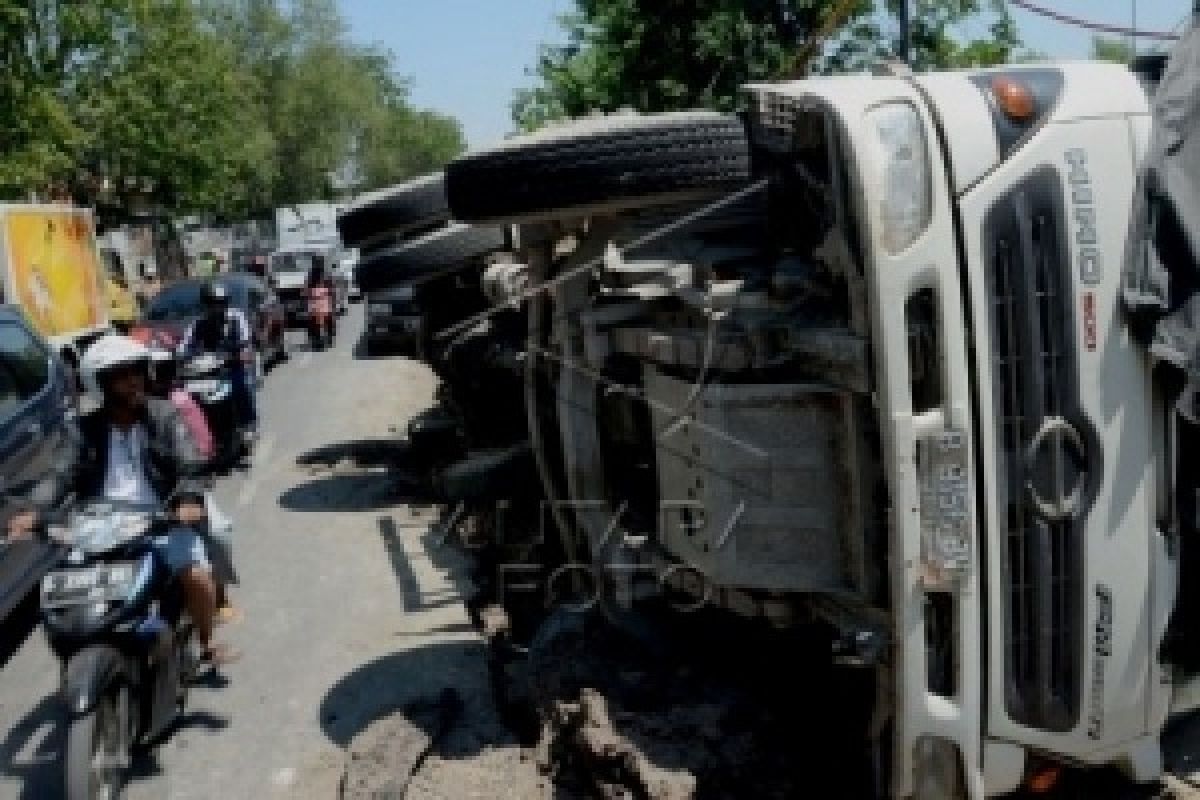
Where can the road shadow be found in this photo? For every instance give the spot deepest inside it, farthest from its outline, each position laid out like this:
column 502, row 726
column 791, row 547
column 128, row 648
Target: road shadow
column 343, row 493
column 393, row 712
column 367, row 475
column 32, row 750
column 435, row 545
column 360, row 453
column 408, row 682
column 16, row 628
column 363, row 351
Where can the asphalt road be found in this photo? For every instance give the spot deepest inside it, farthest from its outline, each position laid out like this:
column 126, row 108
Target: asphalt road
column 352, row 610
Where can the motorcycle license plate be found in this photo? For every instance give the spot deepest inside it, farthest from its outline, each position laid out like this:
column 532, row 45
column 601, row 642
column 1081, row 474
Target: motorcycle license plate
column 202, row 388
column 91, row 585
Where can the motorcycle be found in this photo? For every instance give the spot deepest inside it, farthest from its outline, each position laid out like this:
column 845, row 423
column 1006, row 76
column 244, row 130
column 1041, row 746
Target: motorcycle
column 320, row 317
column 208, row 378
column 116, row 622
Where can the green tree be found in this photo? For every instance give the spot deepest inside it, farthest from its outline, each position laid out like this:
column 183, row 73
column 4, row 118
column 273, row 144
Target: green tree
column 678, row 54
column 329, row 104
column 935, row 45
column 1115, row 50
column 671, row 54
column 44, row 46
column 226, row 106
column 171, row 110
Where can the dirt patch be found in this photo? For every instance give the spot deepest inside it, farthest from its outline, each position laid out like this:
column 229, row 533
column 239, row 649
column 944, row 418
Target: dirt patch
column 382, row 760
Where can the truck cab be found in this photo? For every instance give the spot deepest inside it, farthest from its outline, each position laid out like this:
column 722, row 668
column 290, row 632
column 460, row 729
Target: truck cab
column 1030, row 576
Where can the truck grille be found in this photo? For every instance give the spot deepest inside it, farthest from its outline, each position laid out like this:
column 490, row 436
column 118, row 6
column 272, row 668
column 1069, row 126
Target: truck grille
column 1034, row 368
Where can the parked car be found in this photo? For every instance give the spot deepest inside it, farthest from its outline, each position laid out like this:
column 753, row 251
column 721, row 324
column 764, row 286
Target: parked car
column 177, row 306
column 36, row 435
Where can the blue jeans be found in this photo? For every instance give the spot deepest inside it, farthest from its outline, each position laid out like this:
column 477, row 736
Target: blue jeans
column 243, row 394
column 180, row 548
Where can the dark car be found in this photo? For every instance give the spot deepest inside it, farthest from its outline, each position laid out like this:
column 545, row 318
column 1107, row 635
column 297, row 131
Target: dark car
column 172, row 310
column 37, row 435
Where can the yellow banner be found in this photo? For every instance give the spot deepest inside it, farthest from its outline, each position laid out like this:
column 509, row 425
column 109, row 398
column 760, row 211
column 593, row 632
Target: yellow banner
column 54, row 269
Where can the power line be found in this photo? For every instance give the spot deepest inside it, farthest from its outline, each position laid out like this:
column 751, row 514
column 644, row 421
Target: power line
column 1098, row 27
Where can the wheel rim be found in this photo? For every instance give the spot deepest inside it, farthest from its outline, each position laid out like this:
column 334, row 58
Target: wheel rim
column 107, row 750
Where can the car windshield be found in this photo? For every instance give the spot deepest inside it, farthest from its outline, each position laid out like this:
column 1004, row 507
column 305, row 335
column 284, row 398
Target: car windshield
column 183, row 302
column 292, row 262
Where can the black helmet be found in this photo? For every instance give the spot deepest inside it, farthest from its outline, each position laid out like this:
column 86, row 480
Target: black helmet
column 214, row 295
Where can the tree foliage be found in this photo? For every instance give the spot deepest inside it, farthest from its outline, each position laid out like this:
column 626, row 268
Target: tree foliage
column 657, row 55
column 1108, row 49
column 230, row 106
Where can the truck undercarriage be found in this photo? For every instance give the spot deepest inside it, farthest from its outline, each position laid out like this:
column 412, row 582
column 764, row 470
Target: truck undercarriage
column 846, row 374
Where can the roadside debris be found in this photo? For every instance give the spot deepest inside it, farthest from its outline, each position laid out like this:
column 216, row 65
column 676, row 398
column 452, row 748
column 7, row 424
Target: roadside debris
column 381, row 760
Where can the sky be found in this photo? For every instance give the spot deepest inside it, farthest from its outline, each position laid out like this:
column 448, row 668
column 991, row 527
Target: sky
column 467, row 57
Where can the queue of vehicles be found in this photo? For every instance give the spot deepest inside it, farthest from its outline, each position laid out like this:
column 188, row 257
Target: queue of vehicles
column 103, row 602
column 61, row 288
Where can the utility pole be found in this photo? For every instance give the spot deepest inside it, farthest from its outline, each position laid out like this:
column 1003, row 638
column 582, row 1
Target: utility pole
column 906, row 32
column 1133, row 34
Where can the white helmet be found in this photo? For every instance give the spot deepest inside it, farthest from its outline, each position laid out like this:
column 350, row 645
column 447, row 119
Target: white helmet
column 109, row 352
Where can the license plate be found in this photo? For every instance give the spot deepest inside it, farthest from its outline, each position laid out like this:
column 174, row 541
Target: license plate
column 202, row 388
column 945, row 498
column 379, row 308
column 91, row 585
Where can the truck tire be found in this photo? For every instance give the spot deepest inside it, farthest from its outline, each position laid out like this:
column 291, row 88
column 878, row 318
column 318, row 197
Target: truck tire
column 444, row 249
column 391, row 215
column 605, row 164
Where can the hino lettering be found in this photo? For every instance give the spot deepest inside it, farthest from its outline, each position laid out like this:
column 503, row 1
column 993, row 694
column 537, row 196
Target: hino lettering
column 1086, row 233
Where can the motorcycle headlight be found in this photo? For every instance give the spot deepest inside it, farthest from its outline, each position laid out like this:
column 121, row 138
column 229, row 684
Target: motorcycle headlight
column 906, row 175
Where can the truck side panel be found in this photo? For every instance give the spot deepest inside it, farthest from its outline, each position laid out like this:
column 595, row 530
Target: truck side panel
column 53, row 269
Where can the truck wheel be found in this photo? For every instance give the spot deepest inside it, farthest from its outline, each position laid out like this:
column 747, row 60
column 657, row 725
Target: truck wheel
column 606, row 164
column 394, row 214
column 95, row 752
column 444, row 249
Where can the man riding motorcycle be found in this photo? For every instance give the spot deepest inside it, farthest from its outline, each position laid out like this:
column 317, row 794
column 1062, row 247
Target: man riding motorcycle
column 137, row 450
column 224, row 329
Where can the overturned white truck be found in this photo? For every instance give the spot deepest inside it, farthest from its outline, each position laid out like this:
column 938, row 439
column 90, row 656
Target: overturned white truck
column 859, row 357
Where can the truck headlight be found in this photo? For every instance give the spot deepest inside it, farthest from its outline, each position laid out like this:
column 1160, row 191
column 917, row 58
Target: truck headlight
column 906, row 176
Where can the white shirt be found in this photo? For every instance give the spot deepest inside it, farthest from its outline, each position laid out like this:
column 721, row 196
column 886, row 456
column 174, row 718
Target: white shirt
column 125, row 479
